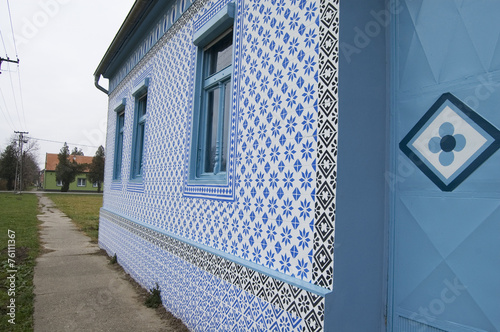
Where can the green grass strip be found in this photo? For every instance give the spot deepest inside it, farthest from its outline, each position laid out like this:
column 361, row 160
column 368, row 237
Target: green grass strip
column 82, row 209
column 17, row 220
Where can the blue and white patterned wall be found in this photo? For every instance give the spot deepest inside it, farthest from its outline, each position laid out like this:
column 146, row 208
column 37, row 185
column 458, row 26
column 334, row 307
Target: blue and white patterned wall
column 262, row 256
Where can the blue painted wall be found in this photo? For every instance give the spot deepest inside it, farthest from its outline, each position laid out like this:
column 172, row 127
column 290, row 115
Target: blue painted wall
column 445, row 225
column 357, row 302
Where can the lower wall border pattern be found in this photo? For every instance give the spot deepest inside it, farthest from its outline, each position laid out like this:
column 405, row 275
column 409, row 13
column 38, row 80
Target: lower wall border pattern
column 207, row 291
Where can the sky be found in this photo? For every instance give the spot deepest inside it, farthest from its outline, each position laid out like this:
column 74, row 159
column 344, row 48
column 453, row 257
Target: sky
column 51, row 92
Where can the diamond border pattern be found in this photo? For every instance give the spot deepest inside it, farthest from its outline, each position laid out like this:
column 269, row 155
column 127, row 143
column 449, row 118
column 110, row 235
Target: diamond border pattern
column 304, row 311
column 326, row 180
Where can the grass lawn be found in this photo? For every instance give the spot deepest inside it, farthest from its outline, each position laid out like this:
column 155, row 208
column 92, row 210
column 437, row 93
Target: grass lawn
column 82, row 209
column 18, row 214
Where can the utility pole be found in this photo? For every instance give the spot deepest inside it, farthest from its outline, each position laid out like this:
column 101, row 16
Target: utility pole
column 18, row 184
column 7, row 60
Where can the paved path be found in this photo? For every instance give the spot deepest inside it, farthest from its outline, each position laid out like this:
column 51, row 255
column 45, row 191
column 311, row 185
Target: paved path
column 75, row 287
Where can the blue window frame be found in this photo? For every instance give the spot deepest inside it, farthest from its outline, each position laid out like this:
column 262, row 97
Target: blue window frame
column 212, row 109
column 120, row 126
column 141, row 101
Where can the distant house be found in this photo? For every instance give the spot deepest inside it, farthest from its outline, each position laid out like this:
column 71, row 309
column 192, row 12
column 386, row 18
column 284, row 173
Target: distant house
column 81, row 183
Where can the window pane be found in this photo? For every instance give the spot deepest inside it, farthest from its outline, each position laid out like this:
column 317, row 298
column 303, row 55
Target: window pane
column 140, row 121
column 118, row 157
column 119, row 146
column 121, row 121
column 141, row 107
column 225, row 130
column 140, row 148
column 213, row 102
column 220, row 54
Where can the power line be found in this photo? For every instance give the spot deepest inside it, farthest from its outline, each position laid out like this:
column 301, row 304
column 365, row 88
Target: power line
column 18, row 72
column 7, row 120
column 6, row 110
column 15, row 99
column 12, row 29
column 3, row 42
column 69, row 143
column 21, row 94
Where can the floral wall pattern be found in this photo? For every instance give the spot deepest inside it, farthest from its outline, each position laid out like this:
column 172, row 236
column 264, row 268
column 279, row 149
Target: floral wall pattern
column 262, row 257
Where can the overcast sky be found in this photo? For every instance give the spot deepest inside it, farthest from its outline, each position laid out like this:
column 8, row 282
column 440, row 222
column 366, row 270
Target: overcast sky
column 60, row 44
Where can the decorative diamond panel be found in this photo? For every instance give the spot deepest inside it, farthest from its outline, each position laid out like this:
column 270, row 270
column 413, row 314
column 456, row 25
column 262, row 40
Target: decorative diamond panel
column 450, row 142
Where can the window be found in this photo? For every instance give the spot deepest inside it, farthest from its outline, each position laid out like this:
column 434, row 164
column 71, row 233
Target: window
column 120, row 125
column 209, row 154
column 141, row 100
column 95, row 184
column 59, row 183
column 81, row 182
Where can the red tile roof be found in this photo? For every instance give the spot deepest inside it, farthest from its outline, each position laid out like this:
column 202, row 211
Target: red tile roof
column 51, row 160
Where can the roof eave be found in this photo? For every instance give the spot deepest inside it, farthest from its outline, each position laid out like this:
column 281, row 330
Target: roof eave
column 134, row 17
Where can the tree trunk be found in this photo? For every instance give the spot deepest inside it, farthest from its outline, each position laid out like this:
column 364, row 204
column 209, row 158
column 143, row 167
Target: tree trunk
column 65, row 187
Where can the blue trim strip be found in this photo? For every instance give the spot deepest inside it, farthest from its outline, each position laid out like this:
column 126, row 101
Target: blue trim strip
column 216, row 25
column 157, row 30
column 258, row 268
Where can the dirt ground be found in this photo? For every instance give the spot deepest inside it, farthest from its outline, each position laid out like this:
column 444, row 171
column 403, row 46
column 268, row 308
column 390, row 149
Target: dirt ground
column 172, row 323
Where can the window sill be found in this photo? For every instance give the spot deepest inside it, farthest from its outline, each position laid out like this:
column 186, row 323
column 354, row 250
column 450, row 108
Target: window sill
column 137, row 179
column 207, row 180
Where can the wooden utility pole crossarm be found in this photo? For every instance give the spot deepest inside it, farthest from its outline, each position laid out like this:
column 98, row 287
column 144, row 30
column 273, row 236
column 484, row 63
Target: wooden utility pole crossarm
column 7, row 60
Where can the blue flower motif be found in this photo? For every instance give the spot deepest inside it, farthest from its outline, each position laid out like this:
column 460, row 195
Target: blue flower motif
column 267, row 15
column 275, row 130
column 309, row 65
column 306, row 179
column 272, row 206
column 447, row 143
column 293, row 22
column 310, row 38
column 280, row 30
column 288, row 180
column 285, row 263
column 308, row 93
column 264, row 83
column 287, row 207
column 271, row 232
column 286, row 235
column 273, row 179
column 270, row 259
column 265, row 60
column 290, row 152
column 308, row 121
column 234, row 248
column 256, row 255
column 303, row 239
column 261, row 155
column 246, row 227
column 293, row 47
column 259, row 204
column 311, row 11
column 302, row 269
column 292, row 72
column 307, row 150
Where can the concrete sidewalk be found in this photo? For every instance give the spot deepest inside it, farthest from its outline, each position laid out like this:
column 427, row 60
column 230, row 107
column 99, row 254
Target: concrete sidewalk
column 75, row 287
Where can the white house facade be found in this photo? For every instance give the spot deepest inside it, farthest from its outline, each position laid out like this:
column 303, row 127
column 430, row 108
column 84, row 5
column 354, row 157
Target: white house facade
column 247, row 139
